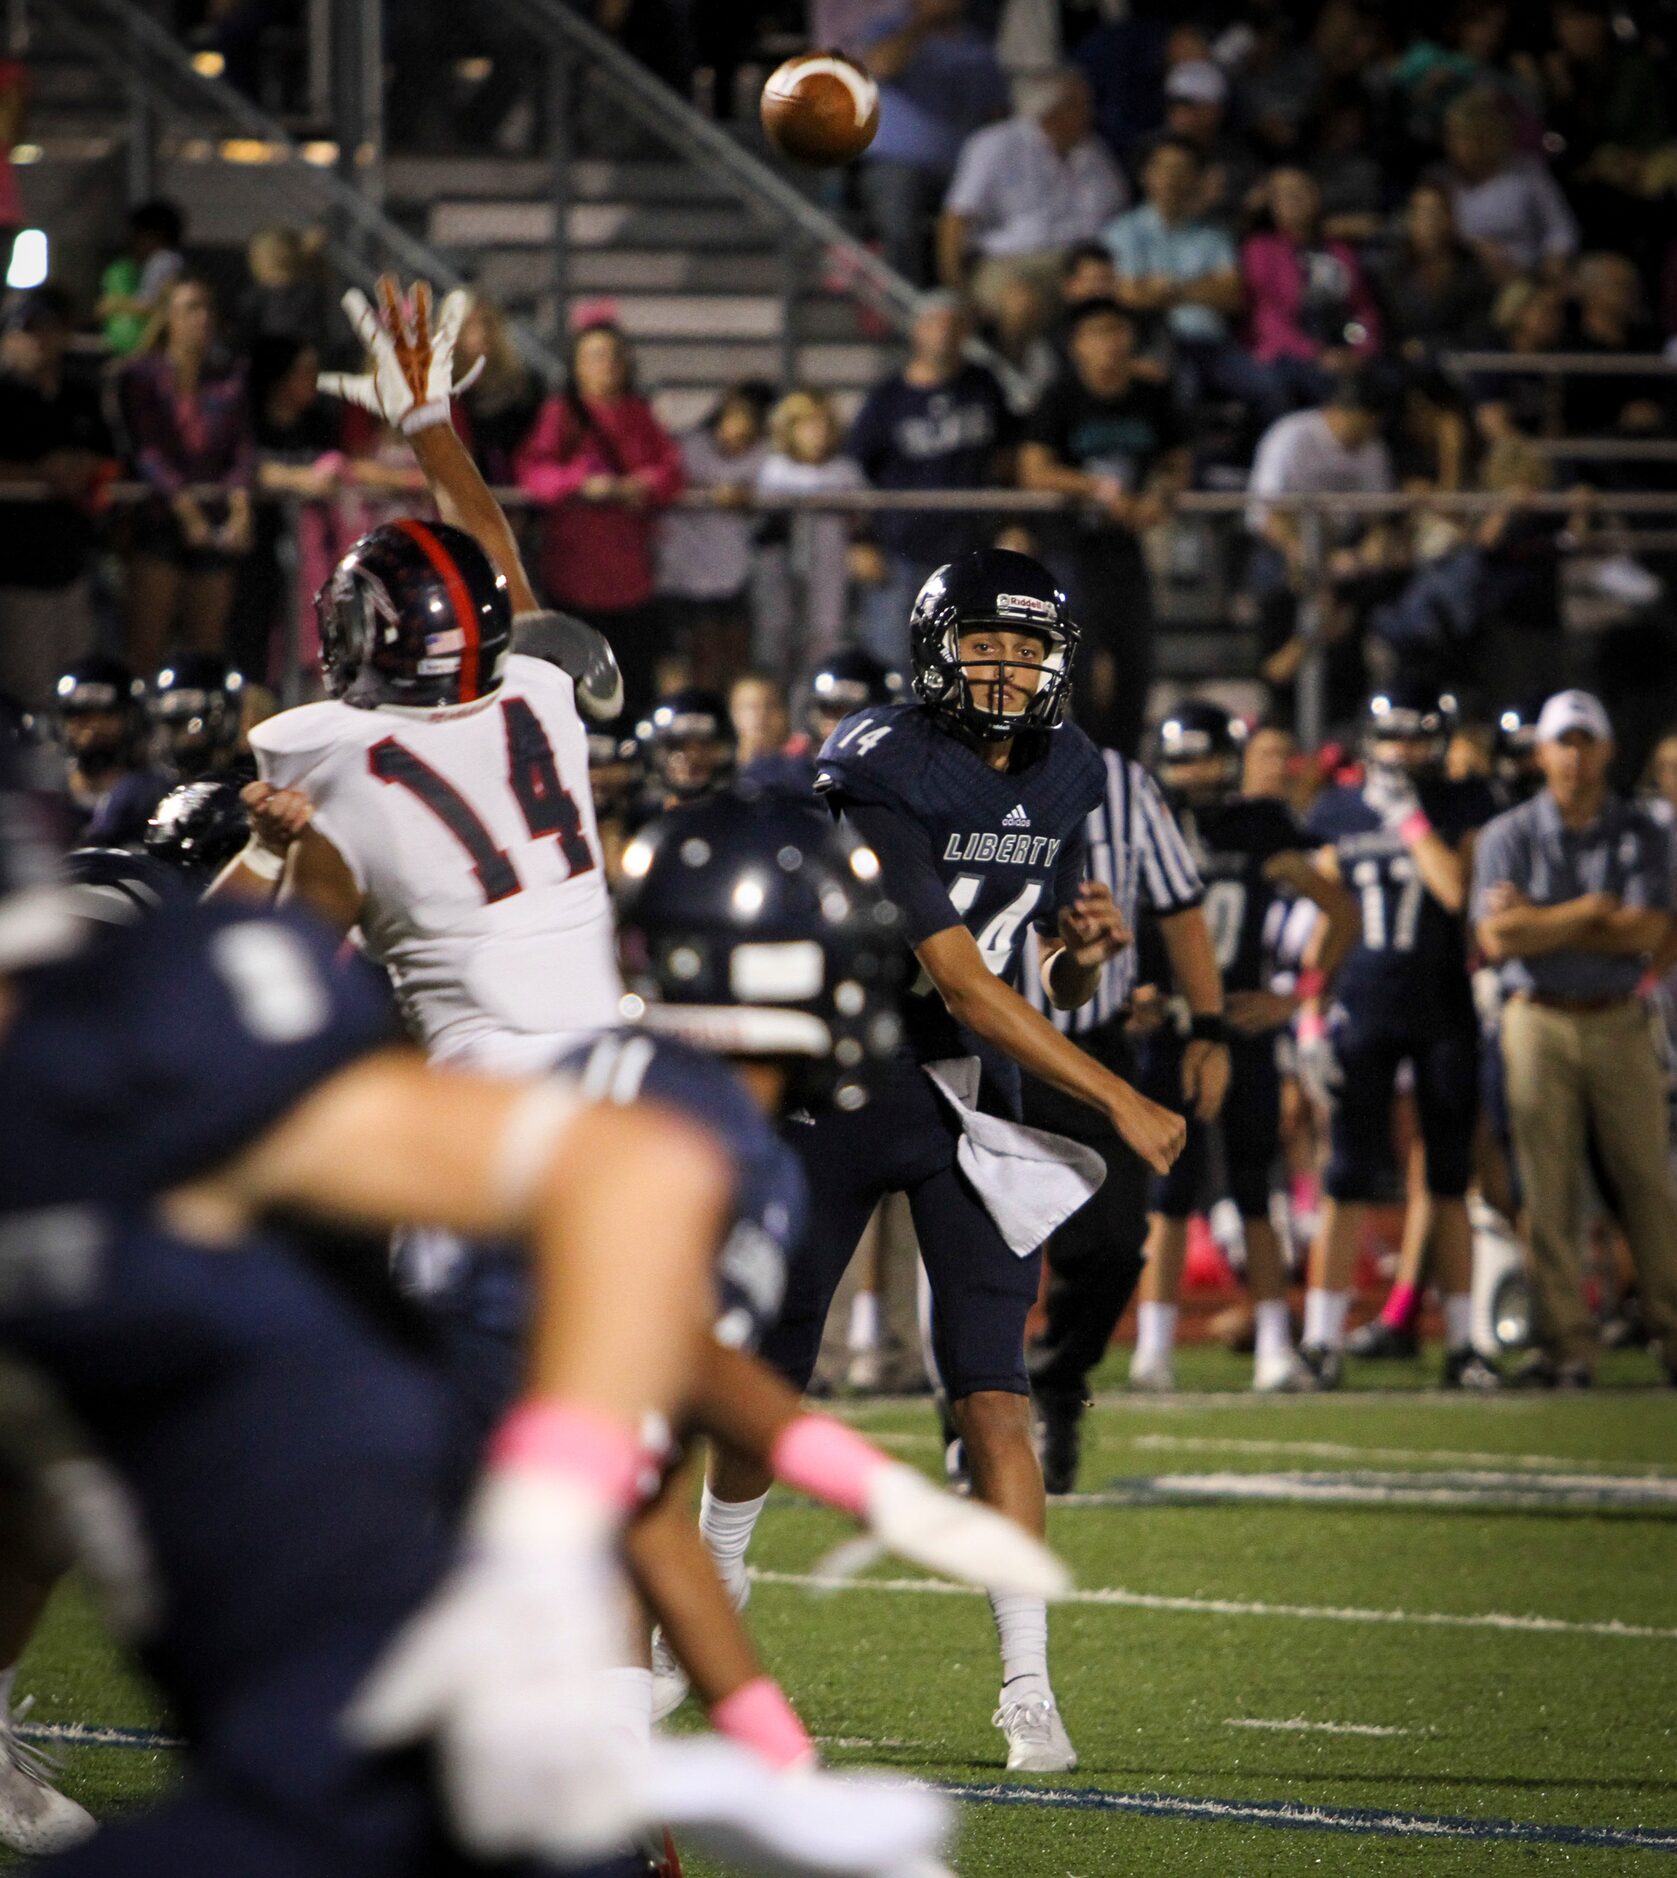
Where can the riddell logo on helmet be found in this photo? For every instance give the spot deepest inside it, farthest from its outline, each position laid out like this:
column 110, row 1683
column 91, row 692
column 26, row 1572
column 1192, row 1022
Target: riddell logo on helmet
column 1026, row 603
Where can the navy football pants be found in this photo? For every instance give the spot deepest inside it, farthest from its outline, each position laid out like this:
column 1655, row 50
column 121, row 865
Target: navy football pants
column 904, row 1141
column 1446, row 1069
column 1248, row 1129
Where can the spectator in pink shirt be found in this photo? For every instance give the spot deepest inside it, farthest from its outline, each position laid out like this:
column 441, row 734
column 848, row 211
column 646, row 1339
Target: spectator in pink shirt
column 604, row 465
column 1310, row 313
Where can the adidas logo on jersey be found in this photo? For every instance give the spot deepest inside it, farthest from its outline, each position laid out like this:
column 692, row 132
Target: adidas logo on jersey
column 1016, row 817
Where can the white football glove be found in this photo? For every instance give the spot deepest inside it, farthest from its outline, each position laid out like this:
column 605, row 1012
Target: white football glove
column 726, row 1801
column 1319, row 1068
column 960, row 1539
column 501, row 1669
column 412, row 376
column 1390, row 793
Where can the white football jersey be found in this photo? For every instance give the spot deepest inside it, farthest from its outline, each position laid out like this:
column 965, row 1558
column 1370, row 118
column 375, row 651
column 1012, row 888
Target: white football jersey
column 470, row 831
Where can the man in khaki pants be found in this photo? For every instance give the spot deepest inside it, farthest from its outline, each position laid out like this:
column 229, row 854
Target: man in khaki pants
column 1572, row 891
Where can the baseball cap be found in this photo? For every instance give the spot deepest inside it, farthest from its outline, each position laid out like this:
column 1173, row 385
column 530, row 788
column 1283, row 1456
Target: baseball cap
column 1197, row 81
column 1573, row 710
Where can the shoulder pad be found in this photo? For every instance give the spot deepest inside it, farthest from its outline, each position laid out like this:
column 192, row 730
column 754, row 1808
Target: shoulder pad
column 874, row 754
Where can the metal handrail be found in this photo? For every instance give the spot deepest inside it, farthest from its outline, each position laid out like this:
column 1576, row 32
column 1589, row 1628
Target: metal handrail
column 1562, row 364
column 1013, row 501
column 673, row 120
column 304, row 182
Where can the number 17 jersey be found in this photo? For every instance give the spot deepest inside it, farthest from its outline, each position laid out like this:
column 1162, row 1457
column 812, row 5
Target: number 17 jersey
column 471, row 835
column 1407, row 973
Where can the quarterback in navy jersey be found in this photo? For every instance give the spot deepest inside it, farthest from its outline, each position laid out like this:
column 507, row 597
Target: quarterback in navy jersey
column 1251, row 854
column 974, row 800
column 1402, row 841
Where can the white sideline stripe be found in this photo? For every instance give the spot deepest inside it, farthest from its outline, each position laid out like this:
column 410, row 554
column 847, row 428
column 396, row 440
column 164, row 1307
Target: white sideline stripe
column 1348, row 1451
column 1297, row 1725
column 81, row 1735
column 1492, row 1492
column 1115, row 1595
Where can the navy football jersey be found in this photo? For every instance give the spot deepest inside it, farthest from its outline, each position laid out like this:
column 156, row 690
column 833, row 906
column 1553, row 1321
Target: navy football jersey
column 962, row 844
column 1232, row 843
column 782, row 773
column 154, row 1051
column 769, row 1198
column 1408, row 969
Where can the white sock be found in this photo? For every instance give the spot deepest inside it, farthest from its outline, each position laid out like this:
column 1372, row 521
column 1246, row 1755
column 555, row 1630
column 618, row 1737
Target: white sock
column 1155, row 1332
column 1274, row 1329
column 726, row 1527
column 627, row 1700
column 1324, row 1318
column 864, row 1321
column 1022, row 1630
column 1458, row 1320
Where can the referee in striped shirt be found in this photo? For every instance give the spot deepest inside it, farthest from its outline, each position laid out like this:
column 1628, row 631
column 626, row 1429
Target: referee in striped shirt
column 1094, row 1260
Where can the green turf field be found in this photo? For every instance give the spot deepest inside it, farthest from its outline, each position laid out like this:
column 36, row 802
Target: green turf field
column 1376, row 1632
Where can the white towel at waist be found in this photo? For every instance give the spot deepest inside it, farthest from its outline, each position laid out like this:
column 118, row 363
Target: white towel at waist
column 1029, row 1180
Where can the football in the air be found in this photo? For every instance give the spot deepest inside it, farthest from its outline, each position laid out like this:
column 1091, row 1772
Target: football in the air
column 820, row 108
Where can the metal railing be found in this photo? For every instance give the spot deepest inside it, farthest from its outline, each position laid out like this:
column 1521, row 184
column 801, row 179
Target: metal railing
column 1315, row 512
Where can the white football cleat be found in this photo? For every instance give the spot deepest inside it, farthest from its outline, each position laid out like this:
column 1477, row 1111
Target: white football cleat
column 35, row 1817
column 669, row 1680
column 1281, row 1375
column 1037, row 1742
column 1152, row 1375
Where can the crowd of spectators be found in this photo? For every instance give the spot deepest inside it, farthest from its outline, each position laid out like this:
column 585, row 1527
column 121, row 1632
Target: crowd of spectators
column 1225, row 247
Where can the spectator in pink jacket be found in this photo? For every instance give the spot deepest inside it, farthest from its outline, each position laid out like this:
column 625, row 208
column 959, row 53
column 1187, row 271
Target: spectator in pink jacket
column 1310, row 312
column 604, row 465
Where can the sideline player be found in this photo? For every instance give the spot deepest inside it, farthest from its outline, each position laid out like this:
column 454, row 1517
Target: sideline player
column 101, row 722
column 1402, row 841
column 974, row 799
column 1250, row 853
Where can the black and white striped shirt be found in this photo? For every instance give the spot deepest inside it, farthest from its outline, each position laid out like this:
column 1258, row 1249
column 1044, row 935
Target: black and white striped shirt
column 1136, row 847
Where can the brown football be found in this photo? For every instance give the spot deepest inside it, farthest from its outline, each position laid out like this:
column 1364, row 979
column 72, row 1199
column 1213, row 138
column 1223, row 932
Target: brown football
column 820, row 108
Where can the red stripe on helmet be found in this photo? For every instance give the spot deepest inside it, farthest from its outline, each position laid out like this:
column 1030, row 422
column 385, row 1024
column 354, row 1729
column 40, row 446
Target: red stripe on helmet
column 465, row 613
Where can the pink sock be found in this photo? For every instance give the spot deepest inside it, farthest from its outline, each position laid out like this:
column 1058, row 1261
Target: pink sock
column 759, row 1717
column 1401, row 1307
column 826, row 1460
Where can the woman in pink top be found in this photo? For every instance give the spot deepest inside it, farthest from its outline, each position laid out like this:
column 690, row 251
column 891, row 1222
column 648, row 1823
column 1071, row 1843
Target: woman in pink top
column 605, row 466
column 1310, row 313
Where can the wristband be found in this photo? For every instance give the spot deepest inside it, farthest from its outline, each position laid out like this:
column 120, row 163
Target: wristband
column 1414, row 827
column 1207, row 1027
column 261, row 861
column 826, row 1460
column 560, row 1438
column 425, row 417
column 759, row 1717
column 1310, row 984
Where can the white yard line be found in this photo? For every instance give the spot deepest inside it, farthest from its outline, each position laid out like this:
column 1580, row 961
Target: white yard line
column 1348, row 1451
column 1115, row 1595
column 1298, row 1725
column 1420, row 1487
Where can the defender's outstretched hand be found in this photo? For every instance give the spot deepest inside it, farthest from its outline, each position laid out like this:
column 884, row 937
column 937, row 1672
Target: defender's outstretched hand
column 412, row 376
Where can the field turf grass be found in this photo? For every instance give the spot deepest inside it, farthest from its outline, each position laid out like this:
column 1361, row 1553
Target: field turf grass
column 1266, row 1686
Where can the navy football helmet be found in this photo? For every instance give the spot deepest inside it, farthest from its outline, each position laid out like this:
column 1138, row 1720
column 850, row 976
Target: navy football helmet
column 101, row 709
column 1514, row 750
column 195, row 705
column 414, row 615
column 1199, row 732
column 754, row 927
column 851, row 680
column 198, row 828
column 1411, row 712
column 689, row 743
column 119, row 888
column 992, row 587
column 616, row 770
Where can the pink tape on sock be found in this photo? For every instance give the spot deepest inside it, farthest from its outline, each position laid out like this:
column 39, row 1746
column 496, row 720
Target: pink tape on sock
column 1399, row 1310
column 759, row 1717
column 564, row 1439
column 826, row 1460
